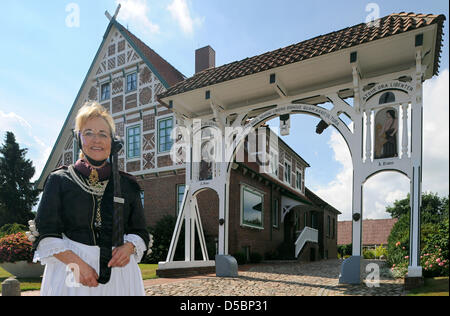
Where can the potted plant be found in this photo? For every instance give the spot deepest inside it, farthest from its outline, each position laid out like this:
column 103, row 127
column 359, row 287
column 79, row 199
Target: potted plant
column 16, row 256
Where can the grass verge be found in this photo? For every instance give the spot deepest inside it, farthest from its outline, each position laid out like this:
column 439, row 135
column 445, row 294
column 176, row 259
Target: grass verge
column 432, row 287
column 148, row 272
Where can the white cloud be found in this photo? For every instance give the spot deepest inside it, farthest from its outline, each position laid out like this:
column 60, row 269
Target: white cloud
column 180, row 12
column 436, row 134
column 383, row 189
column 338, row 191
column 38, row 151
column 135, row 12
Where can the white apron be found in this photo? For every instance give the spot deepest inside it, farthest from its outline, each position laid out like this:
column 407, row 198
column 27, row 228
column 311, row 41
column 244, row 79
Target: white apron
column 59, row 280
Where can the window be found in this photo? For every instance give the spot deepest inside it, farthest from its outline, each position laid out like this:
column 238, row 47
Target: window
column 305, row 219
column 275, row 214
column 106, row 92
column 387, row 97
column 134, row 142
column 180, row 195
column 287, row 172
column 132, row 82
column 329, row 226
column 164, row 132
column 252, row 207
column 298, row 180
column 314, row 223
column 334, row 229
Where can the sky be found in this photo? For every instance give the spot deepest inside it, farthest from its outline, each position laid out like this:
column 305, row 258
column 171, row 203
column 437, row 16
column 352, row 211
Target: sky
column 48, row 46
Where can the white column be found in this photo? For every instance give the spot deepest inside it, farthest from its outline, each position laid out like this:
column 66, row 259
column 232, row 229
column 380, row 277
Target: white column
column 187, row 230
column 405, row 139
column 188, row 208
column 357, row 225
column 368, row 135
column 414, row 268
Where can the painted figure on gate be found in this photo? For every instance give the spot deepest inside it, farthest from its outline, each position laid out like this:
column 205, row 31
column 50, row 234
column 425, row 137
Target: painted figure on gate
column 386, row 124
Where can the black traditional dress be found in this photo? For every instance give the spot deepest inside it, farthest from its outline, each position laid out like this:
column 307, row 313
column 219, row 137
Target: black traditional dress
column 76, row 213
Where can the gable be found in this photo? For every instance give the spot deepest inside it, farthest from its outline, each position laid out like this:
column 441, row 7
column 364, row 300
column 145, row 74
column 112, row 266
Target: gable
column 116, row 58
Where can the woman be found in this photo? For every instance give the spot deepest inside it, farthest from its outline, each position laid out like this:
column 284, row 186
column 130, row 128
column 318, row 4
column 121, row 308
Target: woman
column 75, row 219
column 389, row 131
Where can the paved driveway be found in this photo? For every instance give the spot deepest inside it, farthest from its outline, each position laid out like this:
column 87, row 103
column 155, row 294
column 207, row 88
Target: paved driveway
column 283, row 279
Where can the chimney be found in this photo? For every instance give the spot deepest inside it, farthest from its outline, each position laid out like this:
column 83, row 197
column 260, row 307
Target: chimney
column 205, row 58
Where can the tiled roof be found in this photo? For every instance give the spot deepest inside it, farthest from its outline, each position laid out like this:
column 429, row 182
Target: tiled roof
column 375, row 231
column 390, row 25
column 169, row 74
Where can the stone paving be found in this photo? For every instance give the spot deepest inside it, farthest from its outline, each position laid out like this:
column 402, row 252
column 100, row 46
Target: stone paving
column 282, row 279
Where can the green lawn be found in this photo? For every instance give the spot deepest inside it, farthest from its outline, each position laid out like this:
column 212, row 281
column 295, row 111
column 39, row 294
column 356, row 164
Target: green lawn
column 432, row 287
column 148, row 272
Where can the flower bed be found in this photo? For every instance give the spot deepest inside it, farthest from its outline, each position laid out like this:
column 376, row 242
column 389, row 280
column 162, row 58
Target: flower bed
column 14, row 248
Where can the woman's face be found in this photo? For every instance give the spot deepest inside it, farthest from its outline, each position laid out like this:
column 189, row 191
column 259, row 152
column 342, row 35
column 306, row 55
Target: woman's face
column 96, row 139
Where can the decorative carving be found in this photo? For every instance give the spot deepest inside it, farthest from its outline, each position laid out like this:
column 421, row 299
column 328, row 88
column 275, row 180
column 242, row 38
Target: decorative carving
column 117, row 85
column 93, row 94
column 159, row 88
column 149, row 161
column 121, row 46
column 149, row 142
column 121, row 60
column 68, row 158
column 145, row 96
column 145, row 76
column 111, row 63
column 111, row 49
column 120, row 130
column 148, row 123
column 117, row 104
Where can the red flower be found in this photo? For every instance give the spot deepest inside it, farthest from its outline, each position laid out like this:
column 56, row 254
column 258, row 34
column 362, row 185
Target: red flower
column 15, row 248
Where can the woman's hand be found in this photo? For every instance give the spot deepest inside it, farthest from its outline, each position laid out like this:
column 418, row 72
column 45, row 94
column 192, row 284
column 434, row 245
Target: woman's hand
column 88, row 276
column 84, row 273
column 121, row 255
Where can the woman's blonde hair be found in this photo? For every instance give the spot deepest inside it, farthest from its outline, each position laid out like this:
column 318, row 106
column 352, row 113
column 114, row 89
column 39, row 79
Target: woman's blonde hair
column 90, row 110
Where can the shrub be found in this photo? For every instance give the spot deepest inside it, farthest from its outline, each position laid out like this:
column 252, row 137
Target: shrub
column 345, row 250
column 368, row 254
column 15, row 248
column 162, row 235
column 11, row 229
column 434, row 248
column 380, row 252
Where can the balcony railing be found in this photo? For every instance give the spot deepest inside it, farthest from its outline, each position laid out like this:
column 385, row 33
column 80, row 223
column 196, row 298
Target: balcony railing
column 307, row 234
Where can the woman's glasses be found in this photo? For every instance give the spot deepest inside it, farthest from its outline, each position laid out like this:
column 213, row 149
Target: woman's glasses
column 90, row 135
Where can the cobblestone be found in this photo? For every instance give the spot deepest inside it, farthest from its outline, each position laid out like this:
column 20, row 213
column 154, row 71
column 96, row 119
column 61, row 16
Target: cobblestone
column 283, row 279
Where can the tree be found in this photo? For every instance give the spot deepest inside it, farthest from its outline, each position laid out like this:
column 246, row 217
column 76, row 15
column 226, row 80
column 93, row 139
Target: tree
column 434, row 209
column 17, row 194
column 434, row 232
